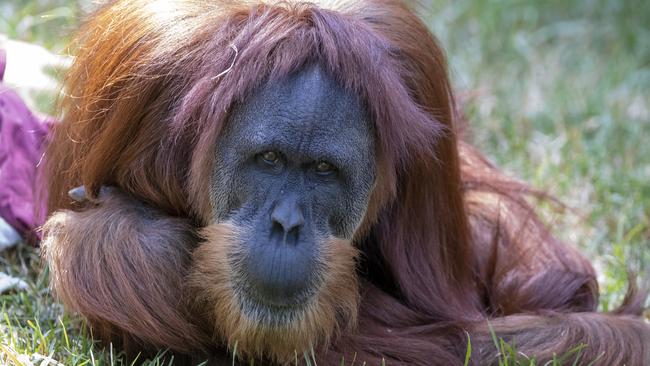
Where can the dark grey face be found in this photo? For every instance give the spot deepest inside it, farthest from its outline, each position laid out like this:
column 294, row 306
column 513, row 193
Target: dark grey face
column 295, row 167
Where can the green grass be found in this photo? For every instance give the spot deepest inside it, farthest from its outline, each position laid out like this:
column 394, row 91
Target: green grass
column 557, row 93
column 45, row 22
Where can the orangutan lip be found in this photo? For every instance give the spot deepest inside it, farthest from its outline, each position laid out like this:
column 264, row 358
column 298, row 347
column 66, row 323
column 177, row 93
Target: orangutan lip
column 270, row 314
column 297, row 302
column 250, row 296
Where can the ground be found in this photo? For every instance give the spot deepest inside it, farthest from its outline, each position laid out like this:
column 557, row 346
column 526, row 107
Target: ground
column 556, row 92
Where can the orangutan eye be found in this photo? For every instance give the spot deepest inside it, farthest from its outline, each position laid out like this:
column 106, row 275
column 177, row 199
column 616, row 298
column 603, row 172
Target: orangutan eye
column 325, row 168
column 270, row 157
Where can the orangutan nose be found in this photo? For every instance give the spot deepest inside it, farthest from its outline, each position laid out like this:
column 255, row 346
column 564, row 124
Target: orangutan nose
column 287, row 219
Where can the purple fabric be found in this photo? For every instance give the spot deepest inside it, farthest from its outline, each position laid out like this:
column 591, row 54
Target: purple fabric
column 22, row 141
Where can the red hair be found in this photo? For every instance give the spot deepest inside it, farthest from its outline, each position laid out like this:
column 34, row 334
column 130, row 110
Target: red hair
column 449, row 241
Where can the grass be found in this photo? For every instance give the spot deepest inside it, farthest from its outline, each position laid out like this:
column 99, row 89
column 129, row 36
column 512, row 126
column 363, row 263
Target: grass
column 557, row 93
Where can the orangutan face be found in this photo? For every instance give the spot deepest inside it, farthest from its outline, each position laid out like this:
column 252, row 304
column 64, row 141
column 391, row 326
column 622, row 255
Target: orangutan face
column 294, row 172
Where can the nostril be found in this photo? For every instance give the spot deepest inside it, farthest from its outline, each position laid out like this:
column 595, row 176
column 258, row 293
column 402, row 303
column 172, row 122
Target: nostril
column 286, row 225
column 277, row 228
column 282, row 234
column 287, row 219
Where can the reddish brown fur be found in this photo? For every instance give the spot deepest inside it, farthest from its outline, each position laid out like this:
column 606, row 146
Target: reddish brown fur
column 451, row 240
column 124, row 276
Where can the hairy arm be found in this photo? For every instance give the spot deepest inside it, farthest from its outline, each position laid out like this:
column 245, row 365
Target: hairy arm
column 121, row 264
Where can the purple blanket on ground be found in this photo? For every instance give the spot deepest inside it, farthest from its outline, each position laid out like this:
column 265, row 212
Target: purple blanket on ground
column 22, row 141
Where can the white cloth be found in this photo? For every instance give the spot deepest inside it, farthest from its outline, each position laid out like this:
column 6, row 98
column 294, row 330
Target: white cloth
column 8, row 236
column 7, row 283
